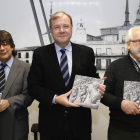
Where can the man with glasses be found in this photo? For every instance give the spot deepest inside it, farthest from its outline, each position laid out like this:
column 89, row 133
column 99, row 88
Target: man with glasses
column 50, row 81
column 124, row 114
column 13, row 89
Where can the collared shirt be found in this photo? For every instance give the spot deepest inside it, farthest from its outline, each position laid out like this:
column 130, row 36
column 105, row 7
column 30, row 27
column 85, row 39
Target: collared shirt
column 136, row 63
column 68, row 50
column 8, row 67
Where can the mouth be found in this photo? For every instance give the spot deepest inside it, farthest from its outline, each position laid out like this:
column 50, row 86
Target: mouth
column 3, row 53
column 62, row 36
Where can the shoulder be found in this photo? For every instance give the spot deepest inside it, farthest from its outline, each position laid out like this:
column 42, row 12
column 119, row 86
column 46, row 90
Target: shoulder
column 118, row 65
column 120, row 61
column 82, row 48
column 44, row 48
column 21, row 63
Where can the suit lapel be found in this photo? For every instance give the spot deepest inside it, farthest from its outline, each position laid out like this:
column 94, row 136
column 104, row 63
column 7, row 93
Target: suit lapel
column 14, row 71
column 76, row 60
column 52, row 57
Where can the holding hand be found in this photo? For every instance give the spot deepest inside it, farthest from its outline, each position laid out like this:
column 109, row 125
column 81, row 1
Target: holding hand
column 4, row 104
column 129, row 107
column 102, row 87
column 64, row 100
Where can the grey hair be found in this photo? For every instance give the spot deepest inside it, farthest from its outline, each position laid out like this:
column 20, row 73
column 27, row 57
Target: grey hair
column 129, row 36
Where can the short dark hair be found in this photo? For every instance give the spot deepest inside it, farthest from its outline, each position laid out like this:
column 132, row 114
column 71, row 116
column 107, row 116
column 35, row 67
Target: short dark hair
column 7, row 37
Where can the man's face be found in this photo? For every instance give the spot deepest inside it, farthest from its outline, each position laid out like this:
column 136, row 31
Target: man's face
column 5, row 52
column 61, row 34
column 134, row 47
column 75, row 92
column 94, row 97
column 83, row 90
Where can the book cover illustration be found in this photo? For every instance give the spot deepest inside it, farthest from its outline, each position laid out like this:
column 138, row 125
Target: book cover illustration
column 85, row 92
column 132, row 91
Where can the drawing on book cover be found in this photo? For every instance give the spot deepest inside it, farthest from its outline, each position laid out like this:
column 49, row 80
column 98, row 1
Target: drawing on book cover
column 132, row 91
column 85, row 92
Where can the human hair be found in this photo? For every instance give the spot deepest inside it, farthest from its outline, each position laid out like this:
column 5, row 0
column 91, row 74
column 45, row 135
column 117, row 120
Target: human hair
column 7, row 37
column 58, row 15
column 129, row 35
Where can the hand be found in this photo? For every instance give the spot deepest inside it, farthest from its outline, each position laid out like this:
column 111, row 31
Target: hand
column 64, row 100
column 129, row 107
column 4, row 104
column 102, row 87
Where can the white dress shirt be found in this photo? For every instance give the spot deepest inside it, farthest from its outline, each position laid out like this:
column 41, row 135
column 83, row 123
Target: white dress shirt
column 68, row 51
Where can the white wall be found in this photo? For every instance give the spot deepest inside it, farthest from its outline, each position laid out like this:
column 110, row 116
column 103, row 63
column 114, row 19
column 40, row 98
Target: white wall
column 100, row 121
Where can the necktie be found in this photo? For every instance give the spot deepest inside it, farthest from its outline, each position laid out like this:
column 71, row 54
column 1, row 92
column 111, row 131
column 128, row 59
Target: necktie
column 64, row 67
column 2, row 77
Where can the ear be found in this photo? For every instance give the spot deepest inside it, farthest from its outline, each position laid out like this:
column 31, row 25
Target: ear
column 128, row 44
column 50, row 29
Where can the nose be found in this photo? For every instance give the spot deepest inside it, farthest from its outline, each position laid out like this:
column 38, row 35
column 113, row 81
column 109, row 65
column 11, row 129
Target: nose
column 2, row 47
column 61, row 29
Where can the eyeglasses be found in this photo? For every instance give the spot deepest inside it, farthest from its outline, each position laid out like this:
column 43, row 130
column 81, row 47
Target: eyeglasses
column 135, row 41
column 57, row 28
column 4, row 44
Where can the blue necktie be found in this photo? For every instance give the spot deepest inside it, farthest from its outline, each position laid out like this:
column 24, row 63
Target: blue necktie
column 64, row 67
column 2, row 77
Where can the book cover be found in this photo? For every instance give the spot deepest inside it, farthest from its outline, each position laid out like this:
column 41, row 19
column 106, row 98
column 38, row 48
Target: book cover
column 132, row 91
column 85, row 92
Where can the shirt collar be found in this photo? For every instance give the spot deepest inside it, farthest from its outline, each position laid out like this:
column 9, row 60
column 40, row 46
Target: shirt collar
column 134, row 59
column 9, row 62
column 58, row 48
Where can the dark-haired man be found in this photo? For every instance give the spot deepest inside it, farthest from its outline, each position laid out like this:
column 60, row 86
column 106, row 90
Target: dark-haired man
column 13, row 87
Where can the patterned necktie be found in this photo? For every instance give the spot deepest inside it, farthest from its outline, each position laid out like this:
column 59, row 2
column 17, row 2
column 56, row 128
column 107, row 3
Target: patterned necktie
column 64, row 67
column 2, row 77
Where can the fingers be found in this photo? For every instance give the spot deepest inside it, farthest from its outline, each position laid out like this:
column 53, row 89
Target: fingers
column 69, row 93
column 104, row 78
column 129, row 107
column 4, row 104
column 136, row 105
column 73, row 105
column 63, row 100
column 102, row 89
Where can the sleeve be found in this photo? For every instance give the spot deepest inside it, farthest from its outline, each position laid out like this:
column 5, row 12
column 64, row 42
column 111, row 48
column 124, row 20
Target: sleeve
column 36, row 83
column 109, row 99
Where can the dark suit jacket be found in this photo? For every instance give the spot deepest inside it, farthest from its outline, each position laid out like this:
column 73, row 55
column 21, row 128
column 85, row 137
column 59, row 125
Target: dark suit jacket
column 14, row 120
column 45, row 80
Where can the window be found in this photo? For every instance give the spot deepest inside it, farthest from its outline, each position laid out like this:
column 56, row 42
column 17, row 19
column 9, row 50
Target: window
column 108, row 62
column 19, row 55
column 98, row 51
column 27, row 55
column 108, row 51
column 123, row 50
column 98, row 63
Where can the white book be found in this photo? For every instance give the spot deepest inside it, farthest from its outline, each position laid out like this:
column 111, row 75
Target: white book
column 132, row 91
column 85, row 91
